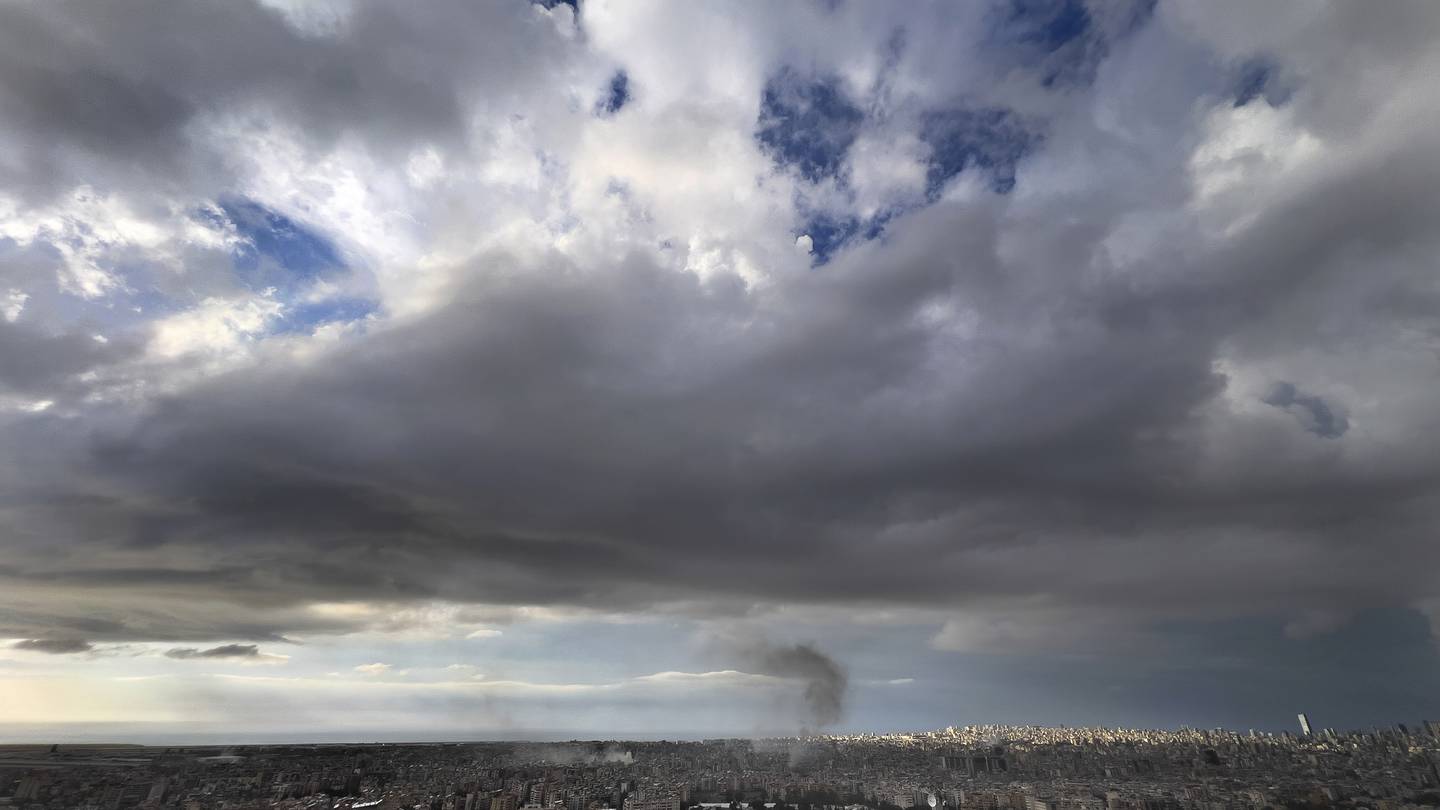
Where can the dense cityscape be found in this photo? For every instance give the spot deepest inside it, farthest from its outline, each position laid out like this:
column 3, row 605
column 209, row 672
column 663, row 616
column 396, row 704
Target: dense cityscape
column 970, row 768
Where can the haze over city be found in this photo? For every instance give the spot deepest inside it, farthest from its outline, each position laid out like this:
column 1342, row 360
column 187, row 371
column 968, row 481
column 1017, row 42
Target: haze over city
column 447, row 370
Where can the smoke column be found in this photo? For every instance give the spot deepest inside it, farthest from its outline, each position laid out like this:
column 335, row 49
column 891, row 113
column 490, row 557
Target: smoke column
column 825, row 680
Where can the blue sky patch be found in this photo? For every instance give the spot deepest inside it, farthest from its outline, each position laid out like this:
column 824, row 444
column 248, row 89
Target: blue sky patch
column 1055, row 37
column 989, row 139
column 1254, row 75
column 616, row 94
column 279, row 251
column 1258, row 78
column 1314, row 414
column 1059, row 38
column 1048, row 24
column 828, row 233
column 807, row 123
column 289, row 257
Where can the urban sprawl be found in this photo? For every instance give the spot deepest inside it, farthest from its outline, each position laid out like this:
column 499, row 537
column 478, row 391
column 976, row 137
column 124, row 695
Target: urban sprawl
column 971, row 768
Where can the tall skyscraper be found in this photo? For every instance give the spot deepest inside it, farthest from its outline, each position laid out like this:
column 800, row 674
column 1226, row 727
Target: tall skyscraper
column 1304, row 724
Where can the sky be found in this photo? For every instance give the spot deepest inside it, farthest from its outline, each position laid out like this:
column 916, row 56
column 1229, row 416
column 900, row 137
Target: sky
column 452, row 370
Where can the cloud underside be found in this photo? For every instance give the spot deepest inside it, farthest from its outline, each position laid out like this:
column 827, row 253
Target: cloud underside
column 244, row 653
column 1191, row 379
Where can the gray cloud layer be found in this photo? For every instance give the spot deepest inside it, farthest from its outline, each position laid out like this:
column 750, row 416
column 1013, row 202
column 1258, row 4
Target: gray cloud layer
column 223, row 651
column 100, row 94
column 991, row 409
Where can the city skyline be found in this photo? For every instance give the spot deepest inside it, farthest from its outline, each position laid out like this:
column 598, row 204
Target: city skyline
column 623, row 368
column 49, row 736
column 969, row 768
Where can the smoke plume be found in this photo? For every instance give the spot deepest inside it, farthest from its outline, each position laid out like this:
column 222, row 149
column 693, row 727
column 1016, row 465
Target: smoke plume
column 570, row 753
column 825, row 680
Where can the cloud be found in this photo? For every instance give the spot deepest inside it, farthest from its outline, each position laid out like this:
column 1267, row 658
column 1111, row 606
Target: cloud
column 54, row 646
column 149, row 115
column 726, row 677
column 243, row 653
column 1314, row 414
column 1315, row 622
column 376, row 668
column 34, row 362
column 1019, row 627
column 14, row 304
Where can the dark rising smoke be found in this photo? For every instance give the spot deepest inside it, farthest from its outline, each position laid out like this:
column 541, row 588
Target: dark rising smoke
column 570, row 753
column 825, row 680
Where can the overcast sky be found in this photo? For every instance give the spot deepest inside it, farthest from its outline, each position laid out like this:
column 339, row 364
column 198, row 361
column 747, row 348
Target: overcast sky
column 452, row 369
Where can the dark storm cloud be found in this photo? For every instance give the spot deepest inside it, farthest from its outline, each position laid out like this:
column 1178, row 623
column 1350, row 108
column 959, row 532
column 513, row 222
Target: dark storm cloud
column 629, row 434
column 991, row 403
column 127, row 111
column 240, row 651
column 39, row 364
column 54, row 646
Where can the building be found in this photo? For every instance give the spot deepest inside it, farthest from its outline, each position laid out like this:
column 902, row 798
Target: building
column 28, row 789
column 1304, row 724
column 664, row 804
